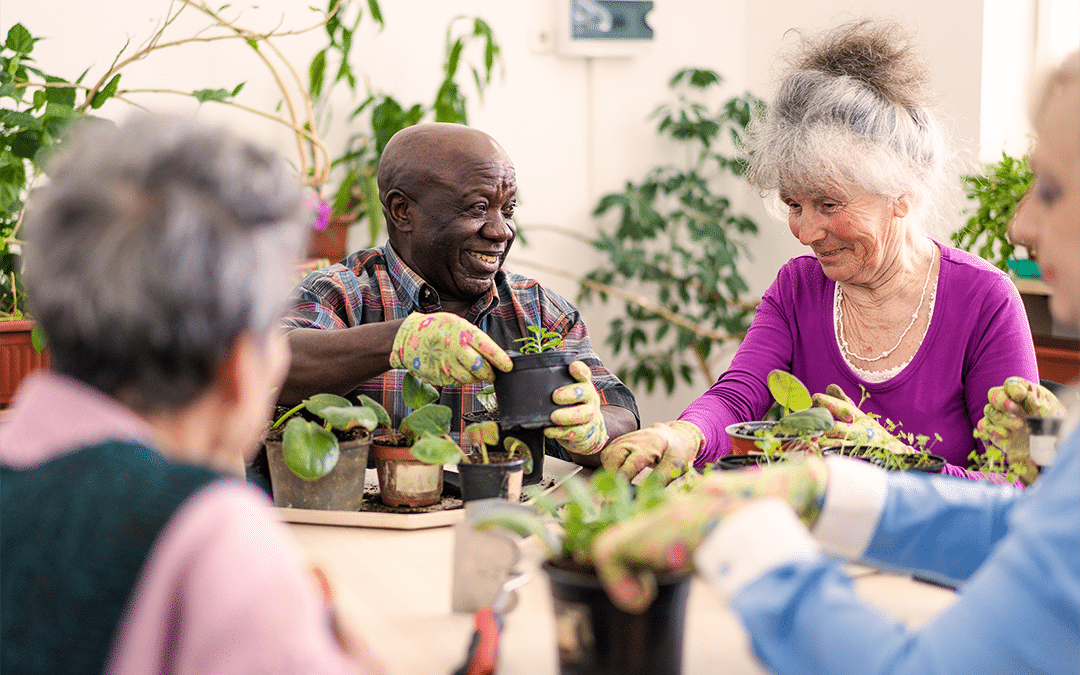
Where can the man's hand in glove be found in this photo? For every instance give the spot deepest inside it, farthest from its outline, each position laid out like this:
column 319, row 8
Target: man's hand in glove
column 443, row 348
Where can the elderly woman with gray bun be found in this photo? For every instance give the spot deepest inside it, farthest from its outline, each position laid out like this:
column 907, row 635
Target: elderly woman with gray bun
column 850, row 147
column 158, row 261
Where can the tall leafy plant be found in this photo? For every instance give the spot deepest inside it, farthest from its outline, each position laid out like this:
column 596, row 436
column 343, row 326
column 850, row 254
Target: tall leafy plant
column 678, row 239
column 997, row 192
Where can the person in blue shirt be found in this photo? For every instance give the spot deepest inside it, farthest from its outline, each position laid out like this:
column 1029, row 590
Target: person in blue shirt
column 774, row 542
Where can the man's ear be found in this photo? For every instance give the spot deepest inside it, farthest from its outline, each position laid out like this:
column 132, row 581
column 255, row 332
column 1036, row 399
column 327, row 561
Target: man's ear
column 234, row 377
column 399, row 211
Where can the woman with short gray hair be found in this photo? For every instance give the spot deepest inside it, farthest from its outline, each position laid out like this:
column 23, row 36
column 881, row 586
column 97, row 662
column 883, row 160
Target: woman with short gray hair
column 879, row 311
column 158, row 261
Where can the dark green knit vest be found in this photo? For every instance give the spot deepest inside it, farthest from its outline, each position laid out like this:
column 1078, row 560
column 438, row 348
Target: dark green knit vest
column 74, row 534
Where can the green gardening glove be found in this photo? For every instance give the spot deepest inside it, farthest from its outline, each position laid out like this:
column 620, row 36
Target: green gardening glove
column 628, row 555
column 443, row 348
column 1004, row 422
column 853, row 425
column 669, row 446
column 579, row 423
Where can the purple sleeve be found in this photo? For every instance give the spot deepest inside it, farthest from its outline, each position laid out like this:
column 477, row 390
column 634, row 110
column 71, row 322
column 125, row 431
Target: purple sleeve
column 741, row 393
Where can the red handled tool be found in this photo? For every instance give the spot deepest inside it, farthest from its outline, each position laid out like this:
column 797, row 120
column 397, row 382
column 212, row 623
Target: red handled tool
column 483, row 654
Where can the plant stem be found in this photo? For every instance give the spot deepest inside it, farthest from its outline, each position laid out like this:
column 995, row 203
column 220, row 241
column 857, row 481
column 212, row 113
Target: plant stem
column 286, row 416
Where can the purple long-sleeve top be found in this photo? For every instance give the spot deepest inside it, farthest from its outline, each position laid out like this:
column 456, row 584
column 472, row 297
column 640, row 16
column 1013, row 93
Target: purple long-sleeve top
column 978, row 336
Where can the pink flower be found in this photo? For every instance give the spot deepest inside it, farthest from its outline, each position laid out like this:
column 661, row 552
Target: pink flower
column 321, row 212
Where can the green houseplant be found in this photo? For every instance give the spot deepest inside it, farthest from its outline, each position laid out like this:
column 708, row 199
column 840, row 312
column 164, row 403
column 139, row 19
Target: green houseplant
column 595, row 636
column 997, row 191
column 679, row 239
column 318, row 459
column 410, row 461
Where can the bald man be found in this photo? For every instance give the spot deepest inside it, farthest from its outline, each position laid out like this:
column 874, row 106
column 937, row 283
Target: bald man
column 435, row 300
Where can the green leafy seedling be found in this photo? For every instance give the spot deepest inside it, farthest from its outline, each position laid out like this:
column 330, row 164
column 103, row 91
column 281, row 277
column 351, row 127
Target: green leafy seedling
column 789, row 391
column 541, row 340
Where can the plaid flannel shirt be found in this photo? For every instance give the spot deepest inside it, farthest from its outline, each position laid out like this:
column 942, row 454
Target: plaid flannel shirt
column 375, row 285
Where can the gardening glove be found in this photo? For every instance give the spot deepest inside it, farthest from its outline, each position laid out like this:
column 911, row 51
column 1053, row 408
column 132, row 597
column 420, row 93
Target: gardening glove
column 443, row 348
column 1004, row 422
column 853, row 425
column 579, row 423
column 669, row 446
column 628, row 555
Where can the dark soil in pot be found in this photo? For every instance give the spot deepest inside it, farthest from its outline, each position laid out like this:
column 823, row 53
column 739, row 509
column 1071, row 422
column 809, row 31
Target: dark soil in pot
column 745, row 436
column 597, row 638
column 501, row 478
column 534, row 438
column 524, row 394
column 922, row 462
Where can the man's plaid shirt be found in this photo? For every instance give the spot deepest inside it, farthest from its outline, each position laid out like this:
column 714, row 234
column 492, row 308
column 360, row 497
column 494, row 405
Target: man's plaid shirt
column 375, row 285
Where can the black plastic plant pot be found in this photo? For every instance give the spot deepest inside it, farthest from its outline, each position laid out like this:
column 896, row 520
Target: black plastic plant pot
column 533, row 438
column 736, row 462
column 597, row 638
column 502, row 479
column 524, row 394
column 920, row 462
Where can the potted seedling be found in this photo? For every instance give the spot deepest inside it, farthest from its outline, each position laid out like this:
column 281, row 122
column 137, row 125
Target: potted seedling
column 487, row 472
column 596, row 637
column 410, row 462
column 798, row 423
column 533, row 439
column 862, row 445
column 540, row 367
column 317, row 452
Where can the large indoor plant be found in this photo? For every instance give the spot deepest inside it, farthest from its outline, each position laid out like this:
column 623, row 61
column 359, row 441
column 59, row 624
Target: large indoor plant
column 996, row 192
column 595, row 636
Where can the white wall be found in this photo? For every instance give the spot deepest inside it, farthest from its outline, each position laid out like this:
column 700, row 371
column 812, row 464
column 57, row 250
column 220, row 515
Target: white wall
column 575, row 127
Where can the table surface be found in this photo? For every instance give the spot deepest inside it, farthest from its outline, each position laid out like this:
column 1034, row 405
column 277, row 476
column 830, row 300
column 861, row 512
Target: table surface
column 394, row 588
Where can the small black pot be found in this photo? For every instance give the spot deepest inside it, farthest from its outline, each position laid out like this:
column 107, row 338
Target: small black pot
column 929, row 464
column 736, row 462
column 524, row 394
column 533, row 438
column 597, row 638
column 500, row 480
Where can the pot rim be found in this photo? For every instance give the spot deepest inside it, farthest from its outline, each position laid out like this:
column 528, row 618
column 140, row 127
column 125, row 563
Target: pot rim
column 733, row 430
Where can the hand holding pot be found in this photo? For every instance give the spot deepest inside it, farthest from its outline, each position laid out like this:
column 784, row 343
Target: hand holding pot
column 579, row 423
column 669, row 446
column 443, row 348
column 630, row 554
column 1010, row 404
column 853, row 424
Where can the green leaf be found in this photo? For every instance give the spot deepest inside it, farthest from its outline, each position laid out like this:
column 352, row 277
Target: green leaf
column 789, row 391
column 319, row 402
column 316, row 74
column 416, row 392
column 311, row 451
column 430, row 420
column 106, row 92
column 204, row 95
column 350, row 417
column 436, row 450
column 381, row 415
column 19, row 40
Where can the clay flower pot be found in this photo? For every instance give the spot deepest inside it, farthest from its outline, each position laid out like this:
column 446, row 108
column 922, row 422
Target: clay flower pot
column 745, row 436
column 17, row 356
column 340, row 490
column 403, row 479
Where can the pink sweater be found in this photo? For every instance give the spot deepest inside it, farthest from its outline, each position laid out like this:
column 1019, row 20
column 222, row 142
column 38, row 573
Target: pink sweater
column 224, row 589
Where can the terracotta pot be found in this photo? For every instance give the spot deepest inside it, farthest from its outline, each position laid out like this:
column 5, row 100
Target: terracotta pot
column 597, row 638
column 403, row 479
column 18, row 358
column 340, row 490
column 745, row 435
column 332, row 242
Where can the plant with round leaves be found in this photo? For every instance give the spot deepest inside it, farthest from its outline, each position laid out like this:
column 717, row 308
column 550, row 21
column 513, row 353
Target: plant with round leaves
column 427, row 428
column 312, row 450
column 482, row 434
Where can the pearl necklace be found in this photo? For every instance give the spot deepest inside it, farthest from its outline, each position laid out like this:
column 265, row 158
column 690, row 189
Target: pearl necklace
column 839, row 312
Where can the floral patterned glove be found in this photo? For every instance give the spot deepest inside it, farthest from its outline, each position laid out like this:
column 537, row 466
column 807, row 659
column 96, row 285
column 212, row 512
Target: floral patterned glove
column 854, row 425
column 1004, row 424
column 579, row 424
column 669, row 446
column 628, row 555
column 443, row 348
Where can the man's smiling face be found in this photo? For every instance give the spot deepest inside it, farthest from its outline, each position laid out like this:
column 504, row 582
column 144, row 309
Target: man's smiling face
column 463, row 223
